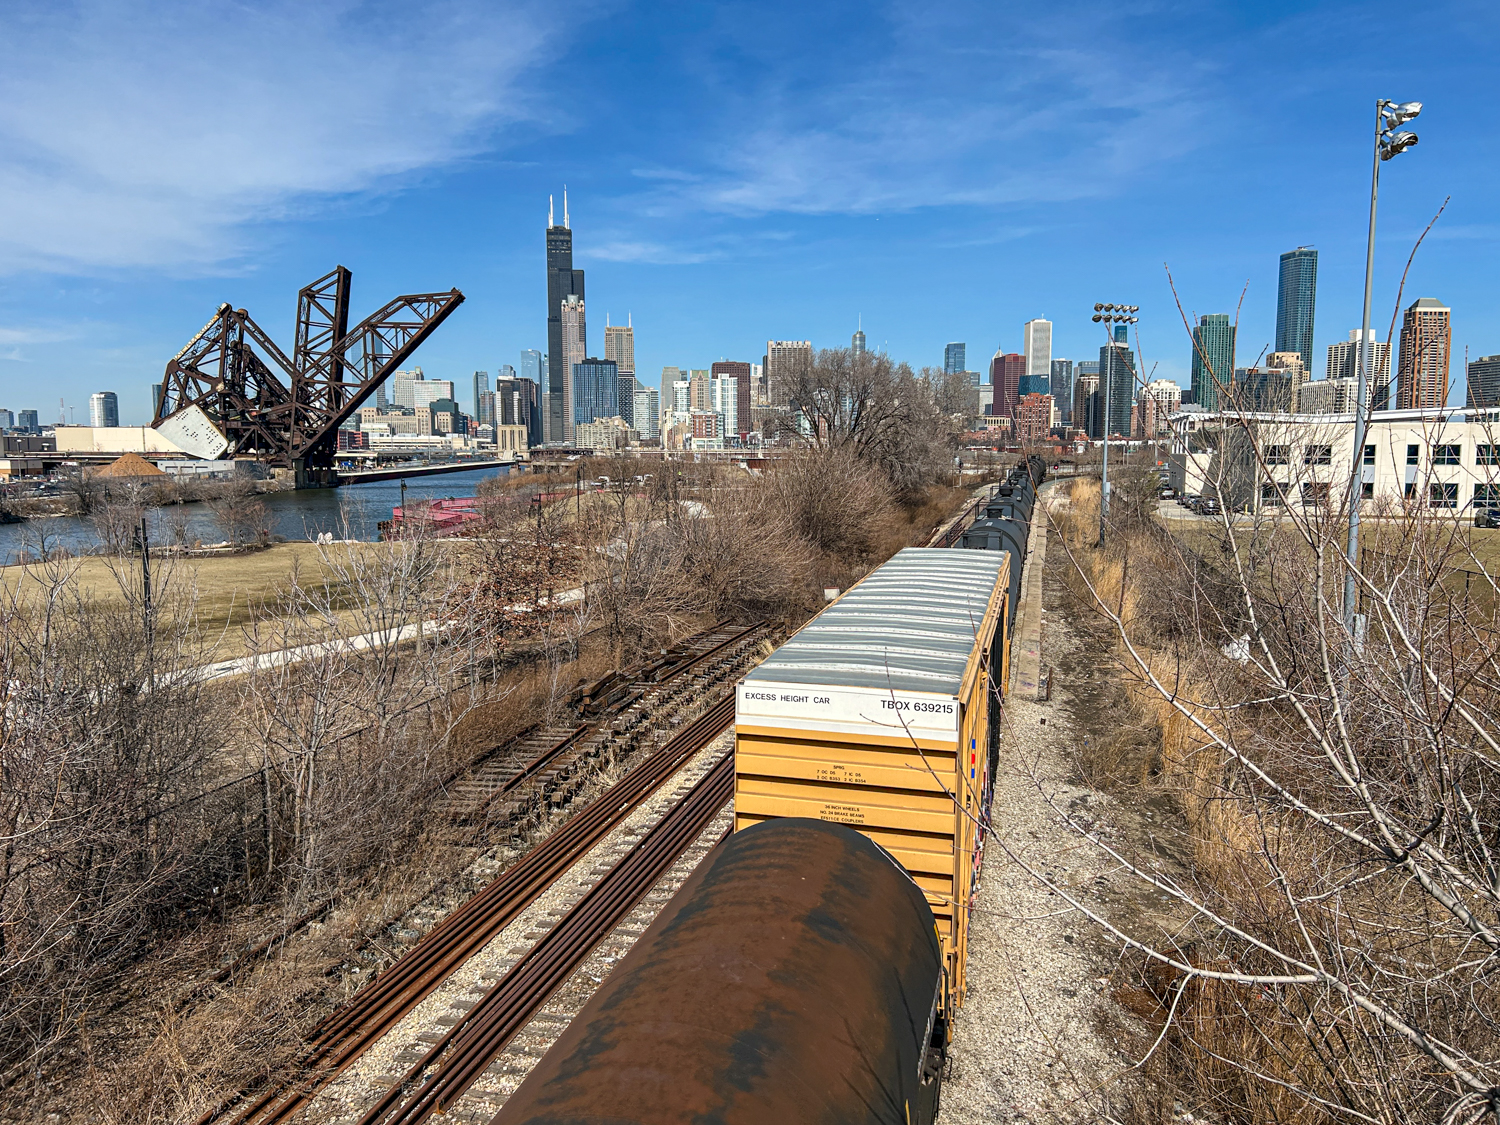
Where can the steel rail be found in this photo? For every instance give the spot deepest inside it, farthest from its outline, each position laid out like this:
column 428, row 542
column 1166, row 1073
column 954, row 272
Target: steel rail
column 488, row 1027
column 345, row 1034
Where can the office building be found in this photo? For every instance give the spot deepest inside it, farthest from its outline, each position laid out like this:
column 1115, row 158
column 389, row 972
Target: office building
column 1117, row 381
column 741, row 373
column 484, row 409
column 574, row 352
column 857, row 341
column 402, row 383
column 447, row 417
column 156, row 398
column 619, row 345
column 428, row 391
column 955, row 358
column 1213, row 360
column 380, row 394
column 1483, row 379
column 27, row 422
column 1296, row 298
column 1422, row 367
column 1036, row 346
column 700, row 389
column 104, row 409
column 7, row 421
column 596, row 390
column 1006, row 369
column 682, row 397
column 563, row 282
column 518, row 403
column 1062, row 387
column 1033, row 420
column 648, row 413
column 481, row 385
column 785, row 362
column 531, row 368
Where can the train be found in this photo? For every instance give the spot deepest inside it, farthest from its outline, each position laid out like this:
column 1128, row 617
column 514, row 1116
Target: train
column 812, row 967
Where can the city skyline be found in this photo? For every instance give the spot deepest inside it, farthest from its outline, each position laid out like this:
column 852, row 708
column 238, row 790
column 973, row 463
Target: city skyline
column 717, row 226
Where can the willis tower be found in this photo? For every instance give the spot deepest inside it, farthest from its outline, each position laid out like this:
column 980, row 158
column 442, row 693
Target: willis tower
column 563, row 281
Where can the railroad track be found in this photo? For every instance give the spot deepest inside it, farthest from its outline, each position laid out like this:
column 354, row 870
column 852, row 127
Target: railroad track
column 341, row 1038
column 453, row 1064
column 546, row 766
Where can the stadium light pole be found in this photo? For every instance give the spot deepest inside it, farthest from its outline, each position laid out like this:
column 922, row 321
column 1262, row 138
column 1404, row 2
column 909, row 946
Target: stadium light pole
column 1389, row 141
column 1108, row 314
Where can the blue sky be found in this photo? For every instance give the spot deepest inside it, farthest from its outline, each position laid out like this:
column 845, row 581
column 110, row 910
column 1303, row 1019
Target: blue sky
column 736, row 172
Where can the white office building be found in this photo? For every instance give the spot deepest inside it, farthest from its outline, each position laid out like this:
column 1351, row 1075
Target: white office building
column 1036, row 346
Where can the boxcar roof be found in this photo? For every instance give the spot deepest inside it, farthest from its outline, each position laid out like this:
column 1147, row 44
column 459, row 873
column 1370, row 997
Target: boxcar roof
column 908, row 626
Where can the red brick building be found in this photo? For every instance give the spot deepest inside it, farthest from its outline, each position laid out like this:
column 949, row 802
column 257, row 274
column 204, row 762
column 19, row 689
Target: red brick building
column 1005, row 376
column 1033, row 420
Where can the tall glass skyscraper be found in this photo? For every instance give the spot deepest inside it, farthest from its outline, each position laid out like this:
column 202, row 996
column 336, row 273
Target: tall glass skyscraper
column 1062, row 387
column 1213, row 359
column 1296, row 296
column 1117, row 378
column 596, row 390
column 563, row 281
column 954, row 359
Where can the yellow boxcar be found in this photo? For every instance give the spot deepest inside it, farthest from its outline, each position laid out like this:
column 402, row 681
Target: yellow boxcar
column 882, row 713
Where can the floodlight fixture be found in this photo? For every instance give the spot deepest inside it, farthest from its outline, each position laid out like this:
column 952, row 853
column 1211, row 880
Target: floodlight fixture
column 1397, row 115
column 1397, row 143
column 1097, row 318
column 1098, row 308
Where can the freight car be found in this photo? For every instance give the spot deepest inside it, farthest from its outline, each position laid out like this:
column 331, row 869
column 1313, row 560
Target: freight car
column 882, row 713
column 795, row 977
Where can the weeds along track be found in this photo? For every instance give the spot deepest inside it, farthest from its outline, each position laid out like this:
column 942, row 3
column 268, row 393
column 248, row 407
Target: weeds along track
column 636, row 717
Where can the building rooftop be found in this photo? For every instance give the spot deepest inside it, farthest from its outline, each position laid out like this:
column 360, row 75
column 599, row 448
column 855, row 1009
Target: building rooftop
column 908, row 626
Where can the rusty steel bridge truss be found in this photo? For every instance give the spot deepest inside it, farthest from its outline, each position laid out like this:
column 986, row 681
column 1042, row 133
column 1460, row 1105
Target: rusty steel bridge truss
column 287, row 411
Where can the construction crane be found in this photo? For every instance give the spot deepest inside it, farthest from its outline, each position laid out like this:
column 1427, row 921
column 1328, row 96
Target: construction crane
column 287, row 411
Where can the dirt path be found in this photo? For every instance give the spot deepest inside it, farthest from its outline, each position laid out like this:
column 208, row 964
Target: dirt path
column 1041, row 1036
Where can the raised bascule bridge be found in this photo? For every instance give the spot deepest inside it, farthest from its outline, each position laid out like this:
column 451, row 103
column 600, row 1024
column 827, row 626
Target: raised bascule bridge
column 232, row 392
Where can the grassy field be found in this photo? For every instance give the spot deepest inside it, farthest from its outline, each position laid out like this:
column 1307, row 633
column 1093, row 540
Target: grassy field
column 229, row 593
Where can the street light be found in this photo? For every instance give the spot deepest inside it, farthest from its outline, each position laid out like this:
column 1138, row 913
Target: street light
column 1389, row 142
column 1109, row 314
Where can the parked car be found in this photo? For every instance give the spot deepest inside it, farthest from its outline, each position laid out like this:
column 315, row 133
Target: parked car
column 1167, row 494
column 1189, row 500
column 1486, row 517
column 1209, row 507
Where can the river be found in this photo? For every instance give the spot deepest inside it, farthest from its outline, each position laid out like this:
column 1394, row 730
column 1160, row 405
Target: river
column 349, row 512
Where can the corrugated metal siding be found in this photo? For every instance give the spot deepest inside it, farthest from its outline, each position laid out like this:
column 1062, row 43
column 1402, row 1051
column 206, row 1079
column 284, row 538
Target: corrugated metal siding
column 909, row 626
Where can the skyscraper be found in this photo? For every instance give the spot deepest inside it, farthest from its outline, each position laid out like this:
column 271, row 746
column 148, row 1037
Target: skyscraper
column 619, row 345
column 740, row 372
column 1296, row 296
column 104, row 409
column 1062, row 387
column 1085, row 401
column 402, row 383
column 1289, row 365
column 857, row 341
column 1036, row 346
column 1422, row 371
column 531, row 367
column 596, row 390
column 725, row 400
column 785, row 360
column 518, row 403
column 1006, row 369
column 1343, row 363
column 955, row 359
column 425, row 392
column 1483, row 378
column 481, row 384
column 563, row 281
column 484, row 409
column 628, row 386
column 575, row 349
column 1117, row 381
column 647, row 410
column 28, row 422
column 1213, row 360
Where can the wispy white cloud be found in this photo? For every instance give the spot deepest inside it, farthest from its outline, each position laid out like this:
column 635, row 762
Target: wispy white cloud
column 158, row 135
column 979, row 105
column 33, row 335
column 647, row 252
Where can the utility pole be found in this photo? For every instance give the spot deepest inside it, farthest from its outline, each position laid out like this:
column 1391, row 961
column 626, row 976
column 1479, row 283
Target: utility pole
column 1388, row 143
